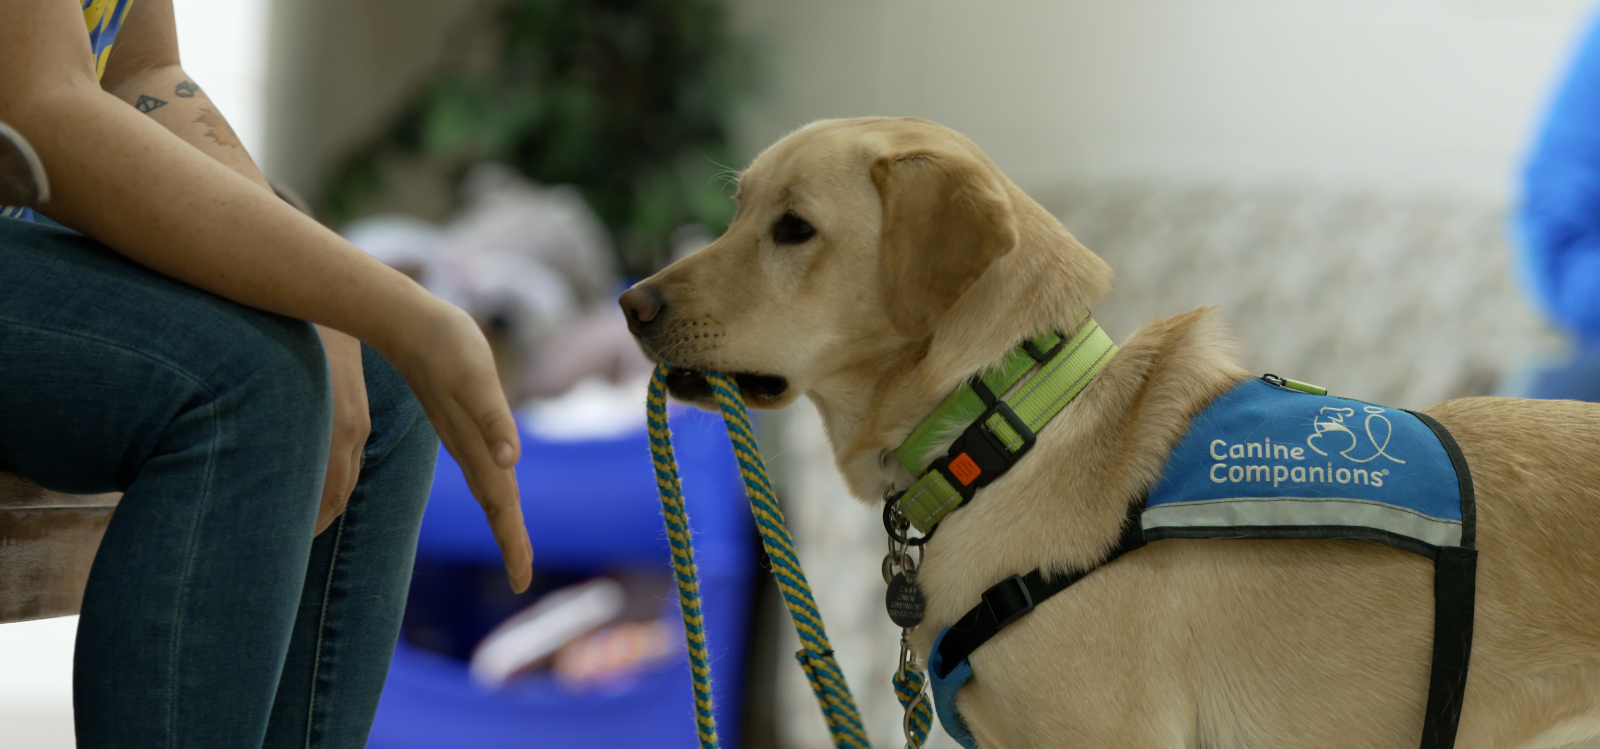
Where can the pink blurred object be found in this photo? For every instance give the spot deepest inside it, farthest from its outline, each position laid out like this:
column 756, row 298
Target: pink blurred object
column 526, row 640
column 595, row 634
column 611, row 656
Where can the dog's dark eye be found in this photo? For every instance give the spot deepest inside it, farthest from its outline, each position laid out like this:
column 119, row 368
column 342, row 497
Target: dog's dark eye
column 791, row 229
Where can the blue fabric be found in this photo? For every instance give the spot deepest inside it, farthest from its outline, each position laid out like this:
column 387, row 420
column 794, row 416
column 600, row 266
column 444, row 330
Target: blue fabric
column 1558, row 220
column 211, row 616
column 591, row 507
column 1576, row 378
column 944, row 686
column 1264, row 457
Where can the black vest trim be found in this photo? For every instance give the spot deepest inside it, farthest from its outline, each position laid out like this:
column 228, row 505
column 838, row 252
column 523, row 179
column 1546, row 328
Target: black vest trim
column 1455, row 579
column 1469, row 504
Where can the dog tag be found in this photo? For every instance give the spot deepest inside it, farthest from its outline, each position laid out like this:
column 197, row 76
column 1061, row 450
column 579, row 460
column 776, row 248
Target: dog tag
column 905, row 603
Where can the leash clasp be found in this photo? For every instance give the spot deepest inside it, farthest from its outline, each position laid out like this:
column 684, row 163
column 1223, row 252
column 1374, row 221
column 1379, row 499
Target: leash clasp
column 911, row 687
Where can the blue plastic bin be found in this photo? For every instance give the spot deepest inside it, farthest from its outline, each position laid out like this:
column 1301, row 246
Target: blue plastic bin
column 590, row 506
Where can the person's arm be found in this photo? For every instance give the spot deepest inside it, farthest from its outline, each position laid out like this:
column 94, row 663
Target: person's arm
column 121, row 178
column 145, row 71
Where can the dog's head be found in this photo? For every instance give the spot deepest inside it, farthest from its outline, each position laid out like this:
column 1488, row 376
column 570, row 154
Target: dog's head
column 856, row 244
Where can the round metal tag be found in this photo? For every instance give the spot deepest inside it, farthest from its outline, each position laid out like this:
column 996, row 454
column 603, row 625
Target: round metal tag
column 904, row 601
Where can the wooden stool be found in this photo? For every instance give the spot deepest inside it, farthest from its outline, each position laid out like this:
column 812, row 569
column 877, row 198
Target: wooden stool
column 47, row 542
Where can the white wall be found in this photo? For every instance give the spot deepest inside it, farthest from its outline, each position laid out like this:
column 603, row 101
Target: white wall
column 224, row 47
column 36, row 683
column 339, row 71
column 1405, row 94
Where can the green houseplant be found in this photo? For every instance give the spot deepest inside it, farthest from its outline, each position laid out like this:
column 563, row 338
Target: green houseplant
column 628, row 100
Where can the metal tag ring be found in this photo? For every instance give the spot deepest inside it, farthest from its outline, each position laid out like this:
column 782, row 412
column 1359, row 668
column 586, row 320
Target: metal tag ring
column 896, row 525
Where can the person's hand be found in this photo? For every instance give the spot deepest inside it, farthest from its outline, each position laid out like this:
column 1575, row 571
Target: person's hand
column 351, row 424
column 446, row 361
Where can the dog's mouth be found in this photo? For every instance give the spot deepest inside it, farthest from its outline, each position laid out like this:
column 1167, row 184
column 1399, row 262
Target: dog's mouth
column 690, row 385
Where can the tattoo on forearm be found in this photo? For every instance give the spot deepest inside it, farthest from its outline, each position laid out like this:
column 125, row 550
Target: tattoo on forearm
column 217, row 128
column 148, row 104
column 186, row 89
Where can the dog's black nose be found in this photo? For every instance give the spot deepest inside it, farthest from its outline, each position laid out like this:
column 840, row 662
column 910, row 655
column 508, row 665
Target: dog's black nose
column 640, row 305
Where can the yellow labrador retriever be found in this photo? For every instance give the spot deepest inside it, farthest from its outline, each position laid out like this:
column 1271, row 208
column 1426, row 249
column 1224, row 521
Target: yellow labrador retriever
column 876, row 264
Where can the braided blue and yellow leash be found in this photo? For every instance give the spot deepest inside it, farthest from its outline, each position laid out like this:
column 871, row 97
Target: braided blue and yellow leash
column 816, row 654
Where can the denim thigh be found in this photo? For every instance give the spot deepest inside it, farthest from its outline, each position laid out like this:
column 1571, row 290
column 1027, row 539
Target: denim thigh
column 213, row 419
column 211, row 618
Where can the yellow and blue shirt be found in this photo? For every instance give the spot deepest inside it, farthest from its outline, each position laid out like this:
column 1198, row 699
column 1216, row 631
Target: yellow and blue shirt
column 103, row 19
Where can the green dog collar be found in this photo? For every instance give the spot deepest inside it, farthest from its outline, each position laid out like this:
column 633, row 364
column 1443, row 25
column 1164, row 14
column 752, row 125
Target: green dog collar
column 996, row 432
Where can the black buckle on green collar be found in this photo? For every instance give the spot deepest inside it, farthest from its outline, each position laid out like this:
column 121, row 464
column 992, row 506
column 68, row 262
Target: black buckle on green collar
column 1044, row 356
column 978, row 457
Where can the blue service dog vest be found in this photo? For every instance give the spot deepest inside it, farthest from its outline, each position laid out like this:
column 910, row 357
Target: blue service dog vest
column 1263, row 461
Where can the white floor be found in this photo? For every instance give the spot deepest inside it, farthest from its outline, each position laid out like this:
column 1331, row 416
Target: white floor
column 36, row 684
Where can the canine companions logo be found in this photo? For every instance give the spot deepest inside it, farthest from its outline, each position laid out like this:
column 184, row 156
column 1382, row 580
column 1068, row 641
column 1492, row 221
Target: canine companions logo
column 1330, row 420
column 1331, row 436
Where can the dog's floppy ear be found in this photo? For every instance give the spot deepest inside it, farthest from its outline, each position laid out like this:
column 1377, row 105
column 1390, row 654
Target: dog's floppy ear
column 945, row 219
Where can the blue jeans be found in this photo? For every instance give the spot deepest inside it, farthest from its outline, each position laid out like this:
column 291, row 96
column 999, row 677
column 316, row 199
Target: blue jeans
column 211, row 618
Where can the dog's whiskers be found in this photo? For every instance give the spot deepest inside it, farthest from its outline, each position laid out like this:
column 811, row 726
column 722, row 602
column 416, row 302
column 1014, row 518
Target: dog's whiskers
column 682, row 338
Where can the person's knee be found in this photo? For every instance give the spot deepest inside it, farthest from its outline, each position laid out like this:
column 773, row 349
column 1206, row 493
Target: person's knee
column 253, row 434
column 280, row 363
column 269, row 380
column 400, row 428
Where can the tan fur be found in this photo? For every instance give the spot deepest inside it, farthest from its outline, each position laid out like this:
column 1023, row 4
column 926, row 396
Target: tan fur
column 907, row 289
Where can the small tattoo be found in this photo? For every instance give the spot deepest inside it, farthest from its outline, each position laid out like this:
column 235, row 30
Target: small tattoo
column 148, row 104
column 186, row 89
column 219, row 130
